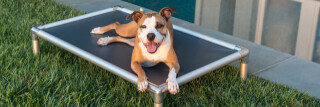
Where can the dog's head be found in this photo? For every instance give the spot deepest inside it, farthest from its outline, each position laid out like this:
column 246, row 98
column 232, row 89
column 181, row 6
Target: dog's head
column 152, row 27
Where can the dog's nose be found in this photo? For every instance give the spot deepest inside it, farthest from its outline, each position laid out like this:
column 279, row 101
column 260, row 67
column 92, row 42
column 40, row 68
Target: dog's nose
column 151, row 36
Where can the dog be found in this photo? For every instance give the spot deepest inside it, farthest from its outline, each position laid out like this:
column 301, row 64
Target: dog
column 152, row 43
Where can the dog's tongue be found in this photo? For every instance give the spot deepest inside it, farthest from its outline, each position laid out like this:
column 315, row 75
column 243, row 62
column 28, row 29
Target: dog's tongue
column 152, row 47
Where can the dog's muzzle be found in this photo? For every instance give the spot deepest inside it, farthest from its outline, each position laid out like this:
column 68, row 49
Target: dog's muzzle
column 151, row 45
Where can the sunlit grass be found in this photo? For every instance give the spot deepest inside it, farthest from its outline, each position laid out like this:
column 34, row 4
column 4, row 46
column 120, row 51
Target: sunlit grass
column 59, row 78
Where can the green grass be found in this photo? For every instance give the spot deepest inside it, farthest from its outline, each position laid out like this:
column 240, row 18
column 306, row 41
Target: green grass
column 59, row 78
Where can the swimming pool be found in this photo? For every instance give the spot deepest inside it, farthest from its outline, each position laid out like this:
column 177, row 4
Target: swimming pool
column 185, row 8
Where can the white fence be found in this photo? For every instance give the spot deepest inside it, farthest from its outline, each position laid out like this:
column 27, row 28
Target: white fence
column 289, row 26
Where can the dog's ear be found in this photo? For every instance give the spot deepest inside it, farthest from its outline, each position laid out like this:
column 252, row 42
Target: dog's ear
column 136, row 16
column 166, row 12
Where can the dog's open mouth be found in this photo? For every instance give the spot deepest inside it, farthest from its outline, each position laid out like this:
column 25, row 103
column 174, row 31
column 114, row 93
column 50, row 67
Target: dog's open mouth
column 152, row 46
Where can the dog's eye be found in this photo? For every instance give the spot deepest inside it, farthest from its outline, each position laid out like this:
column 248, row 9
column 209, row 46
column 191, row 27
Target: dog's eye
column 159, row 25
column 143, row 26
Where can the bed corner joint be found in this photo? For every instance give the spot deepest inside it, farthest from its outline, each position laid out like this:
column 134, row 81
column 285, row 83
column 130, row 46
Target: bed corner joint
column 35, row 39
column 116, row 7
column 244, row 52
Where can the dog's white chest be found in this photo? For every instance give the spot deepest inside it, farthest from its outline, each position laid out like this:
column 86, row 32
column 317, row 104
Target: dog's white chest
column 160, row 54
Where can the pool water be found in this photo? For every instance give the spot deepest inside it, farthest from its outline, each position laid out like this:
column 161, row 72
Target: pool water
column 185, row 8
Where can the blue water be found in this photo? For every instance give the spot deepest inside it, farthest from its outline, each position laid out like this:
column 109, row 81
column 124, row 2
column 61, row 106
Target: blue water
column 185, row 8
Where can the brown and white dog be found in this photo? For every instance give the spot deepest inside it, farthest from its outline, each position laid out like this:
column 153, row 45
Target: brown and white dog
column 152, row 44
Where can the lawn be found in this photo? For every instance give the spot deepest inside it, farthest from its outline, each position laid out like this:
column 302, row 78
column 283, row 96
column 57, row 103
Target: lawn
column 59, row 78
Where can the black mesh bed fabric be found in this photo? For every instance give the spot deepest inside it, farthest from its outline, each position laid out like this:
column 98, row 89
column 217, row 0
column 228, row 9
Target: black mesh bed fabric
column 191, row 51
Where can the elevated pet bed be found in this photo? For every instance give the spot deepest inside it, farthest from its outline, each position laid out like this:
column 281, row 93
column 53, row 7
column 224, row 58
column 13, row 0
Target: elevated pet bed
column 198, row 54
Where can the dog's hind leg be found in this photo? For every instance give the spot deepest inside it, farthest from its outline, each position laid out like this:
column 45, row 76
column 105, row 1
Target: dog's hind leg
column 127, row 30
column 108, row 40
column 101, row 30
column 124, row 30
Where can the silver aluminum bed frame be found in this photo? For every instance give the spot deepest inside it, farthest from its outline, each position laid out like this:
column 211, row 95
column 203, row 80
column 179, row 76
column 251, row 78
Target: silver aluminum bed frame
column 156, row 91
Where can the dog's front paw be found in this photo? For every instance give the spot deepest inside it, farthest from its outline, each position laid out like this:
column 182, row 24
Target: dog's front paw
column 104, row 41
column 142, row 85
column 172, row 86
column 97, row 30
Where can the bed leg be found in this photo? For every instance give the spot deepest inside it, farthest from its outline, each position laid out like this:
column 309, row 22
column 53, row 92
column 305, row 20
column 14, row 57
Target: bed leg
column 243, row 67
column 35, row 44
column 158, row 98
